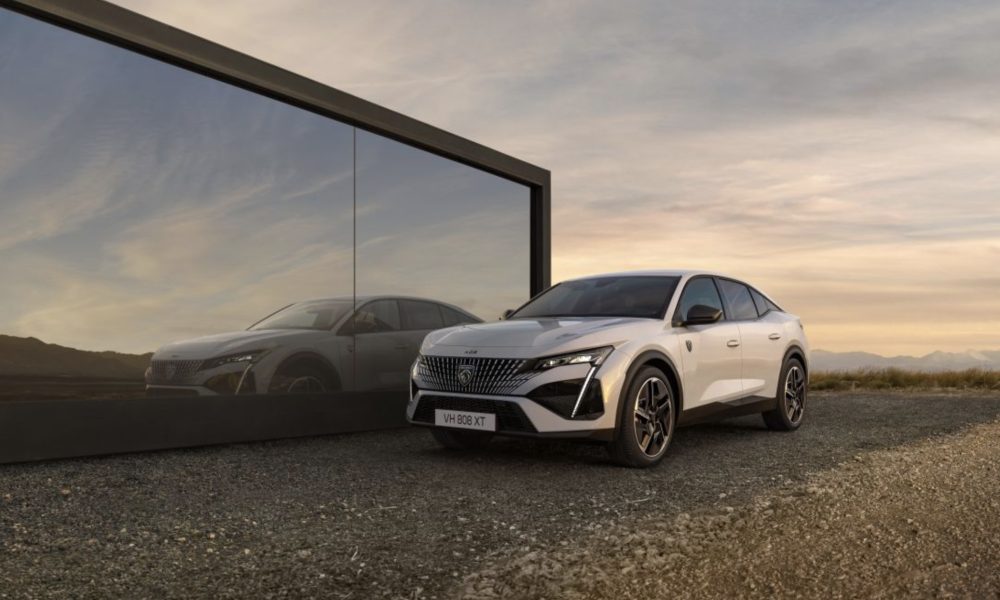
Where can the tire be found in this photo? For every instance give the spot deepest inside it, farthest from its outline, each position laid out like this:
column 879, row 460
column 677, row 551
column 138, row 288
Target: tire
column 302, row 378
column 461, row 440
column 643, row 436
column 792, row 390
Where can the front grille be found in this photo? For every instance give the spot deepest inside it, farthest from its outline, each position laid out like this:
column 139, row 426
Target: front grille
column 510, row 417
column 173, row 371
column 492, row 376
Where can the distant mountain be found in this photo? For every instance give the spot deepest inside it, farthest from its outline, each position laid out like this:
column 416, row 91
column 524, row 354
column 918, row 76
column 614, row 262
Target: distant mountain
column 823, row 360
column 33, row 357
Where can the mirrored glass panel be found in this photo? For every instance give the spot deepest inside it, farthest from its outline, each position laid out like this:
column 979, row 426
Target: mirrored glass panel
column 448, row 243
column 145, row 208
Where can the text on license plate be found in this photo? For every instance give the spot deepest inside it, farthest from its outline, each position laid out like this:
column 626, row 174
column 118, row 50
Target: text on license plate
column 465, row 420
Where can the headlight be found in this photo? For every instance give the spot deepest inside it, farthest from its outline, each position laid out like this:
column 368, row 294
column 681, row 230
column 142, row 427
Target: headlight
column 594, row 357
column 241, row 357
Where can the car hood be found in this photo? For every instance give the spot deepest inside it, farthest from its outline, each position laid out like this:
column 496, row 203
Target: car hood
column 222, row 344
column 538, row 335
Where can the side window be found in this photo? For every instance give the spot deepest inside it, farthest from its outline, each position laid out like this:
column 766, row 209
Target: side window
column 420, row 315
column 377, row 317
column 453, row 317
column 764, row 305
column 739, row 300
column 699, row 291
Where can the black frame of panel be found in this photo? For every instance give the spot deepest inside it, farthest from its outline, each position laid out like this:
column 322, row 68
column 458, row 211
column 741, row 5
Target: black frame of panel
column 45, row 429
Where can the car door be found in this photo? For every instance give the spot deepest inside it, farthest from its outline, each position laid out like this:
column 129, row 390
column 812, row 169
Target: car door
column 758, row 335
column 382, row 347
column 711, row 356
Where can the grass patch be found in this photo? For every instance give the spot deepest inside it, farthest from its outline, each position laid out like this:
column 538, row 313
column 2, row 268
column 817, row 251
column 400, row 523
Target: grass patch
column 901, row 379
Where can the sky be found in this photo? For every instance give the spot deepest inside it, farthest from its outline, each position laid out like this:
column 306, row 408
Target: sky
column 840, row 155
column 142, row 204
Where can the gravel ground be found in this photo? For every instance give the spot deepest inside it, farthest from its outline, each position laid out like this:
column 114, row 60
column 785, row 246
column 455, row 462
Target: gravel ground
column 390, row 515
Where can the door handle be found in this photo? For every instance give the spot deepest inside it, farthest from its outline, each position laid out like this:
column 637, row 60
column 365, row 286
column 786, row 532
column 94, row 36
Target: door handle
column 774, row 336
column 733, row 343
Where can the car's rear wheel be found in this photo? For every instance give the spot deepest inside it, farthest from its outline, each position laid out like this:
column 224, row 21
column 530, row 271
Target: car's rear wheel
column 646, row 425
column 461, row 440
column 792, row 390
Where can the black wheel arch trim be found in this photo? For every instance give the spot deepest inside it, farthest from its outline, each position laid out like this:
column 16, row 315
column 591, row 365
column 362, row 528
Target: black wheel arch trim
column 796, row 351
column 643, row 359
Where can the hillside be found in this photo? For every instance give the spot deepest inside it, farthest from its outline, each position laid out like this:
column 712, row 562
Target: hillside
column 823, row 360
column 33, row 357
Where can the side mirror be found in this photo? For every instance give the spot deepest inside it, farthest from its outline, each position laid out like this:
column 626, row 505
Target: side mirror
column 699, row 314
column 506, row 314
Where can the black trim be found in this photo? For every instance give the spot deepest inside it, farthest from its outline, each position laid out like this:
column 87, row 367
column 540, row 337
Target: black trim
column 637, row 363
column 587, row 435
column 724, row 410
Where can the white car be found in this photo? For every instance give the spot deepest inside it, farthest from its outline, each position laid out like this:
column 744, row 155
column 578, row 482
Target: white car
column 621, row 358
column 315, row 346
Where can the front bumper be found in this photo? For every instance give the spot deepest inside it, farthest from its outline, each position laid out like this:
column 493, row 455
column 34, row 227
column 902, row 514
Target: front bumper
column 515, row 416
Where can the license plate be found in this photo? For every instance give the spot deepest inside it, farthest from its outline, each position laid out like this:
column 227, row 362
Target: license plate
column 465, row 420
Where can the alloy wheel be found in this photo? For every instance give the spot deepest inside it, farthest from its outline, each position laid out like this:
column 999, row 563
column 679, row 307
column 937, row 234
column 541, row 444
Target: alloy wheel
column 306, row 385
column 795, row 394
column 654, row 415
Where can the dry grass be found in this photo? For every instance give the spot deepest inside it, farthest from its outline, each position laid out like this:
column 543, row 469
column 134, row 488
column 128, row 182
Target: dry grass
column 893, row 378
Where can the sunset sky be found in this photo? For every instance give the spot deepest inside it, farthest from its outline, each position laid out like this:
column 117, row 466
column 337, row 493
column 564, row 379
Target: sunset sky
column 841, row 155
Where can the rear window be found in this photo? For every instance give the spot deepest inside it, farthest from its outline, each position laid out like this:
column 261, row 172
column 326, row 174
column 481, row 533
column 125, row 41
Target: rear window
column 764, row 305
column 740, row 302
column 420, row 315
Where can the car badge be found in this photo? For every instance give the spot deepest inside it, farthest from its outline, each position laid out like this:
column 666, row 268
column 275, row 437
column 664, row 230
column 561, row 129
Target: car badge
column 465, row 374
column 170, row 371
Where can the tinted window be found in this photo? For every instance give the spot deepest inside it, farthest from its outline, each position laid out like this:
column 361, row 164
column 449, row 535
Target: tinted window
column 739, row 300
column 377, row 316
column 421, row 315
column 644, row 297
column 699, row 291
column 453, row 317
column 764, row 305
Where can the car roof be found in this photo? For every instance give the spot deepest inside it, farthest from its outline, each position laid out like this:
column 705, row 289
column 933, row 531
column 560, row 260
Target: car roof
column 652, row 273
column 368, row 297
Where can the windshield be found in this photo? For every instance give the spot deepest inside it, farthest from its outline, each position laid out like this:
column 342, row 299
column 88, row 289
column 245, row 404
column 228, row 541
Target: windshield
column 629, row 296
column 319, row 314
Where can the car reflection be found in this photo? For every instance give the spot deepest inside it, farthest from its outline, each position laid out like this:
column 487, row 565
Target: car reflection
column 315, row 346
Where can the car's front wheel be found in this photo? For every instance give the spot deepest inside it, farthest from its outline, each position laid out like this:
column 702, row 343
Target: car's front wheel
column 302, row 378
column 792, row 389
column 646, row 426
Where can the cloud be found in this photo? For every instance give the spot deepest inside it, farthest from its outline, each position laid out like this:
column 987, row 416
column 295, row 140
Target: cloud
column 840, row 154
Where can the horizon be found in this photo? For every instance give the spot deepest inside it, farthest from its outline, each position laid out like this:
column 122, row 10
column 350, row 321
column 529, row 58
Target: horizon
column 887, row 356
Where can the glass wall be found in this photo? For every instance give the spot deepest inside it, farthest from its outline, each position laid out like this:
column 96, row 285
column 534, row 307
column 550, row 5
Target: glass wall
column 165, row 233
